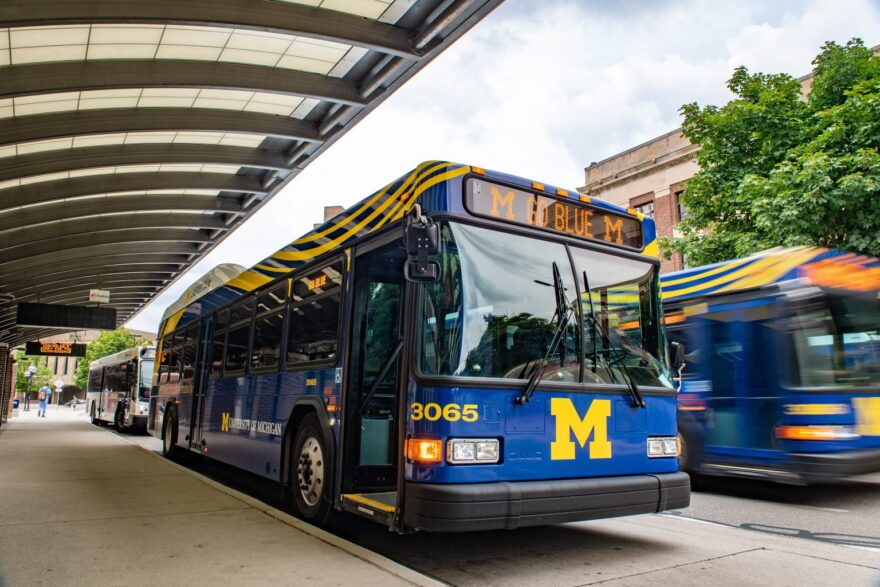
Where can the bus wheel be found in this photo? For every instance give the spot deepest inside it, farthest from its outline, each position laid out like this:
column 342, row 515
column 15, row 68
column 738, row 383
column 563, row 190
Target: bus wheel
column 169, row 433
column 309, row 470
column 119, row 421
column 95, row 421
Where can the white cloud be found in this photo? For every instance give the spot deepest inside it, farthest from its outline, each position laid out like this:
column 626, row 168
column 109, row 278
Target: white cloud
column 541, row 89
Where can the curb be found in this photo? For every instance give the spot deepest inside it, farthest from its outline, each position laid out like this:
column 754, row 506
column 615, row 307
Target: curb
column 368, row 556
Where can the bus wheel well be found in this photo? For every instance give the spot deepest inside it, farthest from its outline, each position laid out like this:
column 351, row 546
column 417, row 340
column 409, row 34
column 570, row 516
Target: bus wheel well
column 299, row 413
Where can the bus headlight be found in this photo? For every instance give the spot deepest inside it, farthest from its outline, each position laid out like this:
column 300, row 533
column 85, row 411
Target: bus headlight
column 472, row 451
column 663, row 447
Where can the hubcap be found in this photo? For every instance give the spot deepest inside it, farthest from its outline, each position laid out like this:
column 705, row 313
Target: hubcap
column 310, row 471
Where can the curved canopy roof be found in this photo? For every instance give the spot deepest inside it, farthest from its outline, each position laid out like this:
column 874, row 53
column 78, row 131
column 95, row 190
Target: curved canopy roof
column 135, row 136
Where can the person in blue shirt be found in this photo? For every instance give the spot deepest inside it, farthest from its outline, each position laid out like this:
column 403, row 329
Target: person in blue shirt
column 45, row 396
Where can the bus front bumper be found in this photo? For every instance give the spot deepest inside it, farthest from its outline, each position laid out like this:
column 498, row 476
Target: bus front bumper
column 493, row 506
column 819, row 467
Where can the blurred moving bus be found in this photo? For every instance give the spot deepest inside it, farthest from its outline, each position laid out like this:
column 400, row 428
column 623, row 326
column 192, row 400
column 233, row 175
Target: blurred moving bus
column 782, row 379
column 443, row 356
column 119, row 388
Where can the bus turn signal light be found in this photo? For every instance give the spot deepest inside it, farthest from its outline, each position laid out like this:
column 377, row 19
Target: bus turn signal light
column 424, row 450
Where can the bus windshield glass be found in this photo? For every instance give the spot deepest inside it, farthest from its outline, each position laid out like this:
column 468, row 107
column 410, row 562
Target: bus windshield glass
column 494, row 312
column 836, row 340
column 146, row 379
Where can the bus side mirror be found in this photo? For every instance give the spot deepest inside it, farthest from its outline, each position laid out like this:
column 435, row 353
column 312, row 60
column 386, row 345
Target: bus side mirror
column 677, row 356
column 421, row 238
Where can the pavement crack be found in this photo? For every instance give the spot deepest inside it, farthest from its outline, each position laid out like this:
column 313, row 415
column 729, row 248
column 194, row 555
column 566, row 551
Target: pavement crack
column 686, row 564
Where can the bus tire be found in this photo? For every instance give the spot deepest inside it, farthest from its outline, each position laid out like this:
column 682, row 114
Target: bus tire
column 169, row 433
column 95, row 420
column 310, row 472
column 119, row 420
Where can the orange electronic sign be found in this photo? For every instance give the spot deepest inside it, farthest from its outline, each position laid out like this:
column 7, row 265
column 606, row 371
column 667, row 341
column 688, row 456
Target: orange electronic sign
column 55, row 349
column 507, row 204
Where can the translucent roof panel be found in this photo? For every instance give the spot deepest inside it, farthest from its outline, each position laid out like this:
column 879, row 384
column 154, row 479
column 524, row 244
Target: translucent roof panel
column 373, row 9
column 176, row 167
column 200, row 43
column 265, row 102
column 244, row 140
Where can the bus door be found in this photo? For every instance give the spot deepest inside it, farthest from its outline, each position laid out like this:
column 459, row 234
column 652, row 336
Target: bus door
column 741, row 406
column 201, row 374
column 371, row 443
column 188, row 351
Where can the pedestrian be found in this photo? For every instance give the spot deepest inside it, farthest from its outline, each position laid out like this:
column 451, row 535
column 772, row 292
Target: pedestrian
column 44, row 396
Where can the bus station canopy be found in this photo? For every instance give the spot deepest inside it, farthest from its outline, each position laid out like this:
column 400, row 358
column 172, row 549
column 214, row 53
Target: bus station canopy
column 135, row 135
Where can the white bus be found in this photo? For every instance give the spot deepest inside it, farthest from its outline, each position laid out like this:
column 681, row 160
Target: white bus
column 119, row 388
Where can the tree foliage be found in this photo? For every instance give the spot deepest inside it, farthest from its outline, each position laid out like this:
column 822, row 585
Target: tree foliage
column 778, row 169
column 42, row 376
column 107, row 343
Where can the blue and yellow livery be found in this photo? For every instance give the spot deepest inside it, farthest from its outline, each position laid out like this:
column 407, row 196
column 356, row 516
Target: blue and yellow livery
column 783, row 374
column 525, row 383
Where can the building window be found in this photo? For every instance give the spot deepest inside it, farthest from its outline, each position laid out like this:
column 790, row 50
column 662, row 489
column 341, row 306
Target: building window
column 646, row 209
column 682, row 211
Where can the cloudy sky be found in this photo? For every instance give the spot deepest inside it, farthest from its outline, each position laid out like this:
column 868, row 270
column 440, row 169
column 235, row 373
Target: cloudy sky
column 540, row 88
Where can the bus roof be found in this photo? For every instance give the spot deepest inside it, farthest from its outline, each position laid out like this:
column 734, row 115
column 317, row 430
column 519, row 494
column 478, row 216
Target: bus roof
column 121, row 356
column 210, row 281
column 813, row 265
column 429, row 184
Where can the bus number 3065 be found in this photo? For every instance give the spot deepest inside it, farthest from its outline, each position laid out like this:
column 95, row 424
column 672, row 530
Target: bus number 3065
column 451, row 412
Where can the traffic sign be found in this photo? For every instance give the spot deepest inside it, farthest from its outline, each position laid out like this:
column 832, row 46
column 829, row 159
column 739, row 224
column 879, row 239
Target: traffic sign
column 101, row 296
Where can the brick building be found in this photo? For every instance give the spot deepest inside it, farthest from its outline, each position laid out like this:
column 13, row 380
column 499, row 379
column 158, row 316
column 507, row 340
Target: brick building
column 650, row 178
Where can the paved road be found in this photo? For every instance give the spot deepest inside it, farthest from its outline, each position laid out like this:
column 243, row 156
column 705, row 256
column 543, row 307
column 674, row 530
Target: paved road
column 845, row 515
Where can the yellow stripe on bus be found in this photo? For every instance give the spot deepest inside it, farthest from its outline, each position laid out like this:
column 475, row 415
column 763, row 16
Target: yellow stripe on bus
column 407, row 182
column 314, row 252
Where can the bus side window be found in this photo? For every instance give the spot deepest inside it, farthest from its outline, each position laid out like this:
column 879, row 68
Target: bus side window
column 314, row 315
column 238, row 337
column 268, row 328
column 220, row 324
column 174, row 359
column 165, row 360
column 189, row 353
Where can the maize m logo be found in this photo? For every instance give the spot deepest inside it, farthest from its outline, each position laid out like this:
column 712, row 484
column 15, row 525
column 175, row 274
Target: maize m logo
column 569, row 421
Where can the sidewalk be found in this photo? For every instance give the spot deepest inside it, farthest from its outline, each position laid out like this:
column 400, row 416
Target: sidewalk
column 79, row 505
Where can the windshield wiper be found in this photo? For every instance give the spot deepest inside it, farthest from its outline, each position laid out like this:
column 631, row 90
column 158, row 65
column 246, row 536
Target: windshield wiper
column 563, row 311
column 638, row 401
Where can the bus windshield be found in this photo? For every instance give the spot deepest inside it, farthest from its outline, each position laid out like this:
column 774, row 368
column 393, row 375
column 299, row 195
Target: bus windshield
column 146, row 378
column 494, row 312
column 836, row 341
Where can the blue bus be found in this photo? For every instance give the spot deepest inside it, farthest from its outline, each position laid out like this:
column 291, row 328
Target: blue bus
column 782, row 375
column 461, row 350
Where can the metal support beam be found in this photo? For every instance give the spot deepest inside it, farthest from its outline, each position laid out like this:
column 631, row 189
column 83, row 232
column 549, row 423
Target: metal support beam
column 86, row 282
column 65, row 210
column 109, row 251
column 116, row 237
column 276, row 17
column 145, row 224
column 119, row 120
column 22, row 286
column 126, row 182
column 104, row 266
column 149, row 154
column 75, row 76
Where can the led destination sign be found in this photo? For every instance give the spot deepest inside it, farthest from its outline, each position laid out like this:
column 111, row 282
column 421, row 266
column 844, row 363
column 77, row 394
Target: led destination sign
column 55, row 349
column 574, row 219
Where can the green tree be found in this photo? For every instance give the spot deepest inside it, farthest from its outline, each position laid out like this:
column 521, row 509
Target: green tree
column 107, row 343
column 42, row 376
column 780, row 170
